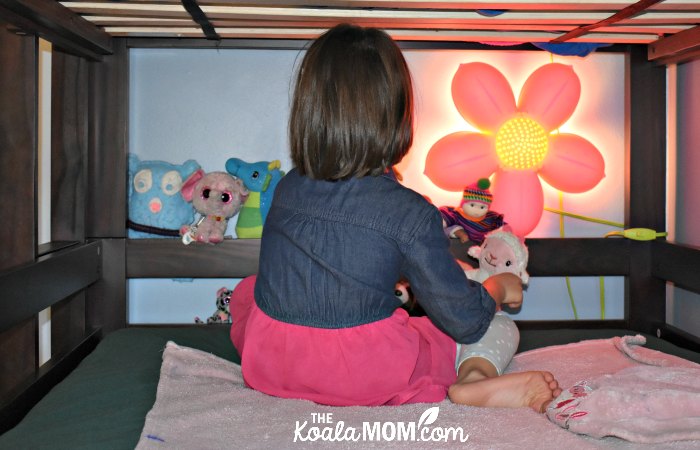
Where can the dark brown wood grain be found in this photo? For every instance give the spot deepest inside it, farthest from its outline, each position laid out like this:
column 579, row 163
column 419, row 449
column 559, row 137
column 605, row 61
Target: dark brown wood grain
column 18, row 143
column 106, row 299
column 170, row 258
column 646, row 187
column 679, row 264
column 28, row 289
column 58, row 24
column 107, row 146
column 69, row 139
column 18, row 98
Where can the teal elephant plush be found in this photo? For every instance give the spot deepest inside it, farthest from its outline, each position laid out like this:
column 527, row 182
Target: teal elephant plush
column 260, row 178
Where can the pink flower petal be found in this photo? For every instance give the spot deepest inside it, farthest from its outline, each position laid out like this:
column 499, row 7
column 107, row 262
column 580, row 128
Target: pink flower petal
column 550, row 95
column 517, row 194
column 459, row 159
column 483, row 96
column 572, row 164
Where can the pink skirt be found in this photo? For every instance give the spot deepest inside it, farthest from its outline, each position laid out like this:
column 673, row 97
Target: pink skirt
column 396, row 360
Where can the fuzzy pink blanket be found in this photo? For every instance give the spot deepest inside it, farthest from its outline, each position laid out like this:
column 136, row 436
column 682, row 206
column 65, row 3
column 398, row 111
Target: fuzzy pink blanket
column 656, row 401
column 202, row 403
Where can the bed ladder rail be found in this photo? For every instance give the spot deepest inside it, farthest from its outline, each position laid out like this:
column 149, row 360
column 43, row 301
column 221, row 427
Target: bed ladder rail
column 33, row 287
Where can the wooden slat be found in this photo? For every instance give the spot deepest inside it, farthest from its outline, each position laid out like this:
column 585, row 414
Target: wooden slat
column 59, row 25
column 69, row 138
column 170, row 258
column 29, row 289
column 676, row 48
column 569, row 257
column 625, row 13
column 514, row 5
column 679, row 264
column 522, row 21
column 570, row 324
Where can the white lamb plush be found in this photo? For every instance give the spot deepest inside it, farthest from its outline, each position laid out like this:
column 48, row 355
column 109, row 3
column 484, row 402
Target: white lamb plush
column 501, row 251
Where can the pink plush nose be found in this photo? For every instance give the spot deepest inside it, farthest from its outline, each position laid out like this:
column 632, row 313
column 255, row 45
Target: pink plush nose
column 155, row 205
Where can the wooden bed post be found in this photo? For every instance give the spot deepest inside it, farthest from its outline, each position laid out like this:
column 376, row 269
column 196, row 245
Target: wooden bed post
column 18, row 156
column 107, row 174
column 645, row 303
column 69, row 118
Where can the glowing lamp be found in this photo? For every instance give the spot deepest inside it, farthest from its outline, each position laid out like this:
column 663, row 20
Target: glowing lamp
column 521, row 143
column 518, row 192
column 573, row 164
column 482, row 95
column 449, row 165
column 517, row 143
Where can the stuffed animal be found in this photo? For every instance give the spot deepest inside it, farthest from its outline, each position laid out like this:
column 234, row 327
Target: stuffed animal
column 404, row 293
column 501, row 251
column 222, row 314
column 260, row 178
column 216, row 196
column 474, row 218
column 156, row 206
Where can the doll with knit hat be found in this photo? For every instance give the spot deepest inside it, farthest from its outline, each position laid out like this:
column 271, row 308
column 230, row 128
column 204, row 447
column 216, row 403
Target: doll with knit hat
column 474, row 218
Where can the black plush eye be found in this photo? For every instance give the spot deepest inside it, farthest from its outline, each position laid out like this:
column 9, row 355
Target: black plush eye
column 508, row 263
column 225, row 197
column 205, row 193
column 398, row 293
column 255, row 174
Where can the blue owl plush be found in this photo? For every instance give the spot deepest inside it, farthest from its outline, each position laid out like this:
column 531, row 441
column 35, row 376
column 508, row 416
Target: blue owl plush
column 156, row 206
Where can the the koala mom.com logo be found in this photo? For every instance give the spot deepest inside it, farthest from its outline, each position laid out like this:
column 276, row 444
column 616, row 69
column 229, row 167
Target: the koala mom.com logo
column 323, row 427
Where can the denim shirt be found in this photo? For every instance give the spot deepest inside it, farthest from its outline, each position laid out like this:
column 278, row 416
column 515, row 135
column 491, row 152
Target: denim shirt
column 332, row 252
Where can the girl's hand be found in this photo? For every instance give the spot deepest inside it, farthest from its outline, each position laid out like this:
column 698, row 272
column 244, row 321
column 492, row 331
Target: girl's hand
column 506, row 289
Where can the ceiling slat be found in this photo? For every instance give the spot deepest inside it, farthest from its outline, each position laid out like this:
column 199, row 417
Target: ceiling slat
column 638, row 22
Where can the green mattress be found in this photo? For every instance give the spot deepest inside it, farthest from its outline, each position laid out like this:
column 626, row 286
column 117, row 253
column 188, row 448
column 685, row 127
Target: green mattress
column 103, row 403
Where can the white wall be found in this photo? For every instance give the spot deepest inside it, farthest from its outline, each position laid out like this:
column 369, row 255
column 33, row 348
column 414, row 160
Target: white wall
column 210, row 105
column 44, row 182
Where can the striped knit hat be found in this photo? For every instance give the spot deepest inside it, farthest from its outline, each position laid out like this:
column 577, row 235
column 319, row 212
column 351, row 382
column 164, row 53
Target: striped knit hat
column 478, row 192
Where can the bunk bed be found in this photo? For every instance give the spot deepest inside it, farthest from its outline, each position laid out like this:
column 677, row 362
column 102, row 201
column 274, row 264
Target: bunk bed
column 101, row 380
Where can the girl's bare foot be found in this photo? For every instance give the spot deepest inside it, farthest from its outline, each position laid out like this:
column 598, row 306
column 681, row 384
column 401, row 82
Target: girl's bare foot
column 514, row 390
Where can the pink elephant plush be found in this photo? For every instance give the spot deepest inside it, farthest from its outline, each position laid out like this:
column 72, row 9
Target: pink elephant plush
column 216, row 196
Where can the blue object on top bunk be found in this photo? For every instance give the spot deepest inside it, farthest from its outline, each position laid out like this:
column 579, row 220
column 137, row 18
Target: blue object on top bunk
column 570, row 48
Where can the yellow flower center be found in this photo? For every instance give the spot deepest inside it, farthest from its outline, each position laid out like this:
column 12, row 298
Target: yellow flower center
column 521, row 144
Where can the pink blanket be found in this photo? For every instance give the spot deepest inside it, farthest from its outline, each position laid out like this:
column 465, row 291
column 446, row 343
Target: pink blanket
column 202, row 403
column 656, row 401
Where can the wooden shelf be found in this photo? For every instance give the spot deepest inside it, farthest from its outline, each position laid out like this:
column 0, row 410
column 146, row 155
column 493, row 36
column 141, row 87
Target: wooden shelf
column 170, row 258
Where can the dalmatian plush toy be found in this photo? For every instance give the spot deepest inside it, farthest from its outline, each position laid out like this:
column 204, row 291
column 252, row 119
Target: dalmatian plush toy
column 222, row 314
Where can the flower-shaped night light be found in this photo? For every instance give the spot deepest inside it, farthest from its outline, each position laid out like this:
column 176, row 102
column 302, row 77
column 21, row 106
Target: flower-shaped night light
column 516, row 142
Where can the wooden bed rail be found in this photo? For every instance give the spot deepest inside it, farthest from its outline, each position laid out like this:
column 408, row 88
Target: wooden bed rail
column 30, row 288
column 679, row 264
column 238, row 258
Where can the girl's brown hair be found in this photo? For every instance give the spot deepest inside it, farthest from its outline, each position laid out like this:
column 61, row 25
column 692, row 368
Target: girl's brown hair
column 352, row 111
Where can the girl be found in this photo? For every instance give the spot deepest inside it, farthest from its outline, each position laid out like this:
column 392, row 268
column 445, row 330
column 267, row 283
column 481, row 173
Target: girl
column 321, row 321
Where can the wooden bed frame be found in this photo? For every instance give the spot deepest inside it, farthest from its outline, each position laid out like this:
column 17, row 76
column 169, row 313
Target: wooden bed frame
column 82, row 274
